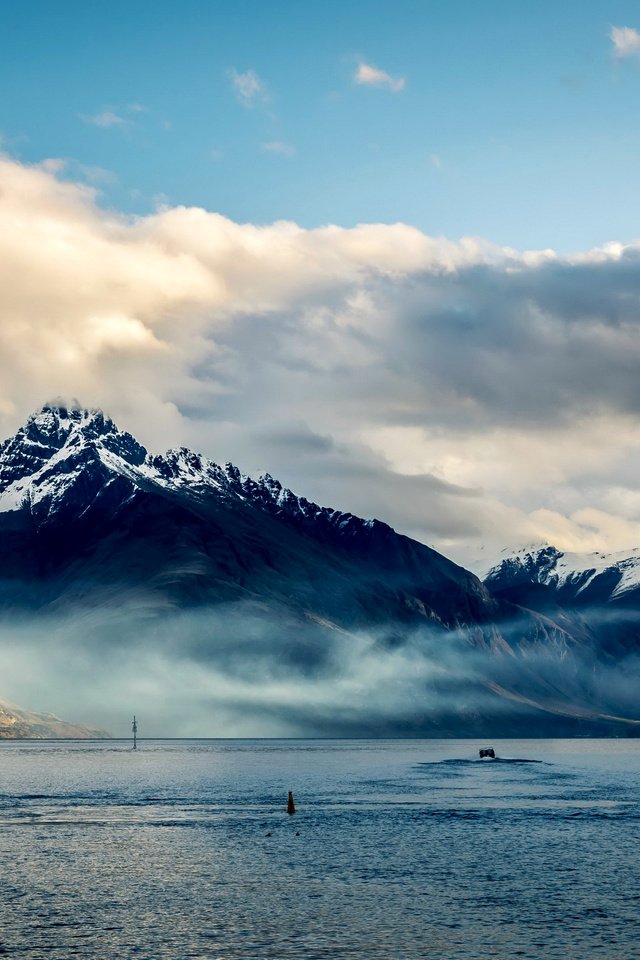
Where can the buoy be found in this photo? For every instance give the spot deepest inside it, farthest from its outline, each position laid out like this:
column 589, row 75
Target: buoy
column 291, row 807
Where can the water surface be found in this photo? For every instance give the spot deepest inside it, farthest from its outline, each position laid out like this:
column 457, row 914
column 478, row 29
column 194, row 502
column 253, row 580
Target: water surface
column 399, row 849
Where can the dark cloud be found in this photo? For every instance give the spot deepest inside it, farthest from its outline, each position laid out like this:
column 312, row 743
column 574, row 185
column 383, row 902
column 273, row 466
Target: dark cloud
column 486, row 345
column 525, row 345
column 297, row 440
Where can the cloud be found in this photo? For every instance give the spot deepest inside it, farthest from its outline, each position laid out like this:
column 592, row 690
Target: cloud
column 96, row 175
column 248, row 87
column 73, row 168
column 54, row 165
column 370, row 76
column 279, row 148
column 626, row 41
column 105, row 119
column 464, row 392
column 127, row 117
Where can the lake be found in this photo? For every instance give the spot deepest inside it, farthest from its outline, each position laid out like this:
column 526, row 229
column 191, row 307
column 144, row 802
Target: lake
column 399, row 849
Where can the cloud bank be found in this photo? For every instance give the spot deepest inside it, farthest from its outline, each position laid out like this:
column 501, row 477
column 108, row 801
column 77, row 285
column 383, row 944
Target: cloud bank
column 468, row 394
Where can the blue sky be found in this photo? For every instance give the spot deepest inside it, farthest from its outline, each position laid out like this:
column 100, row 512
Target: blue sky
column 515, row 122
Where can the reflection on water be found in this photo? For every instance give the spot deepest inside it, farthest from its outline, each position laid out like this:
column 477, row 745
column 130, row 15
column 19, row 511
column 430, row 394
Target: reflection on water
column 399, row 849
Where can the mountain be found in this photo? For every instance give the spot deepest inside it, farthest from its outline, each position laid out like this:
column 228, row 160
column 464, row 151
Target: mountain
column 17, row 723
column 575, row 579
column 85, row 509
column 598, row 593
column 544, row 578
column 108, row 552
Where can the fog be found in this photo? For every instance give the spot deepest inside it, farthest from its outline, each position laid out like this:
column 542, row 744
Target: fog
column 236, row 670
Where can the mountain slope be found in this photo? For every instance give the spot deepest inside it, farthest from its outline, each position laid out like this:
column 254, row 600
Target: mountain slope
column 17, row 723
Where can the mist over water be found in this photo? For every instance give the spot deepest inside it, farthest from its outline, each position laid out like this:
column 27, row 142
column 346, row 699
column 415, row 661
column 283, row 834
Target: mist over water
column 238, row 670
column 399, row 850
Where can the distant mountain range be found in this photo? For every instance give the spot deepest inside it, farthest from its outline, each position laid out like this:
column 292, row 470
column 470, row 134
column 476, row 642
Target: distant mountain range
column 89, row 519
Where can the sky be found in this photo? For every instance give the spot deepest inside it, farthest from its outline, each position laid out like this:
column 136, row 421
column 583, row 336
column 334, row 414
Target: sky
column 388, row 252
column 512, row 121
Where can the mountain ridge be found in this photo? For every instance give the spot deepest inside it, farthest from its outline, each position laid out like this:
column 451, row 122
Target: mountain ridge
column 574, row 578
column 66, row 463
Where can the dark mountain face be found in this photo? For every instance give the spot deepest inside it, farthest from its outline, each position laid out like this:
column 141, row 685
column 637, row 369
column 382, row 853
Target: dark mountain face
column 85, row 507
column 177, row 552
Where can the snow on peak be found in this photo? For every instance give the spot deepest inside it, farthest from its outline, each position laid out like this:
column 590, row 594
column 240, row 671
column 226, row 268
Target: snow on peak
column 545, row 564
column 59, row 418
column 181, row 467
column 66, row 454
column 56, row 425
column 58, row 444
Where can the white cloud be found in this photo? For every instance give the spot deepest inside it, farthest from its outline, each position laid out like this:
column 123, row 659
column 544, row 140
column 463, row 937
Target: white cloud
column 626, row 41
column 248, row 87
column 462, row 391
column 89, row 172
column 106, row 119
column 368, row 75
column 279, row 147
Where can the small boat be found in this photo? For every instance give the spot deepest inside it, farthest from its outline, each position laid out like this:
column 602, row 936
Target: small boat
column 487, row 752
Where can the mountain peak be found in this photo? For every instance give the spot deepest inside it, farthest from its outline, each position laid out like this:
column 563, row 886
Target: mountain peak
column 58, row 432
column 576, row 578
column 60, row 423
column 55, row 421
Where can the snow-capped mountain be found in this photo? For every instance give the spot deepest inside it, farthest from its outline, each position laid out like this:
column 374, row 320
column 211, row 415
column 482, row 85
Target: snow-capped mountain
column 84, row 508
column 578, row 579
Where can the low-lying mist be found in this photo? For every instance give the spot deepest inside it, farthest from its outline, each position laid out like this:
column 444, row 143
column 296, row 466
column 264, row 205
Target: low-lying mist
column 244, row 670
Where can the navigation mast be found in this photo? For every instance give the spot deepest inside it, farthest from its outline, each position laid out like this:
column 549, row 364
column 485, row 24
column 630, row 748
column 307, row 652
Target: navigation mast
column 134, row 727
